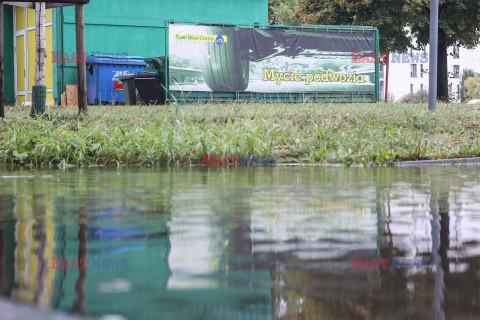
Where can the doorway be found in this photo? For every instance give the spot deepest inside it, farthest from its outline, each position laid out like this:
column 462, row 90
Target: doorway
column 24, row 54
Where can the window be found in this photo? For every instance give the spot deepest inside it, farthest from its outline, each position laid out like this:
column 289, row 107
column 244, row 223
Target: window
column 421, row 87
column 421, row 71
column 413, row 71
column 450, row 89
column 411, row 87
column 456, row 71
column 456, row 52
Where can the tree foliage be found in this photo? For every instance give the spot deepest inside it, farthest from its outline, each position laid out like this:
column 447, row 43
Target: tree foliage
column 459, row 20
column 387, row 15
column 402, row 21
column 282, row 12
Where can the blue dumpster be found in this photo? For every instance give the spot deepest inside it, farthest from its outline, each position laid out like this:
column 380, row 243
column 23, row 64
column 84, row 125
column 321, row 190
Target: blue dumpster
column 103, row 73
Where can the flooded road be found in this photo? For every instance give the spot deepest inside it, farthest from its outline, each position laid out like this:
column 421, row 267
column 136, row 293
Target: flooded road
column 244, row 243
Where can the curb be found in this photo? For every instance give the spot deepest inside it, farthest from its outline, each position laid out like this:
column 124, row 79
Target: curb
column 442, row 162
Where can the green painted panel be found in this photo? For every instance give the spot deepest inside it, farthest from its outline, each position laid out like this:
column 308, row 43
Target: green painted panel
column 134, row 41
column 139, row 29
column 156, row 11
column 9, row 80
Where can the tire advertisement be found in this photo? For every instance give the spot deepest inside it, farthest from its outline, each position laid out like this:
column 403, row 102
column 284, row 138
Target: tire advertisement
column 273, row 60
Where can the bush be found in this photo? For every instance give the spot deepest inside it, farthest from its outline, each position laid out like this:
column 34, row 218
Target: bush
column 418, row 97
column 391, row 97
column 472, row 84
column 467, row 73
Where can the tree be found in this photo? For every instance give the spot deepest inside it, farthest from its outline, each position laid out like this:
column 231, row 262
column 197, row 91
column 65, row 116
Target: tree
column 387, row 15
column 38, row 108
column 40, row 43
column 282, row 12
column 459, row 24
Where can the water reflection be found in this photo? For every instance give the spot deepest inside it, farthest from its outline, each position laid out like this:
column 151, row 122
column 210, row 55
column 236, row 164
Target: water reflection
column 248, row 243
column 78, row 305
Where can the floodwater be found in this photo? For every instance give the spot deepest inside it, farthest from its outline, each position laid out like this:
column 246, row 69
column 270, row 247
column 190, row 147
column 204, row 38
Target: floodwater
column 244, row 243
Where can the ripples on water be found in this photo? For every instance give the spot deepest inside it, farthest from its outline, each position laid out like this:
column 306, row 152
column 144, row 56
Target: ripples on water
column 243, row 243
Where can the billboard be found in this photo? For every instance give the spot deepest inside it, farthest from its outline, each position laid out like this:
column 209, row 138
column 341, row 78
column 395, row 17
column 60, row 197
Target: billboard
column 269, row 60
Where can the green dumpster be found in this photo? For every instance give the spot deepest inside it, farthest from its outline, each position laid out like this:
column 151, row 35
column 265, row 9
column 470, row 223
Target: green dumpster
column 144, row 88
column 155, row 64
column 129, row 89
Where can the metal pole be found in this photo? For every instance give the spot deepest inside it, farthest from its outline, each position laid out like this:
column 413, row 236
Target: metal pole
column 2, row 112
column 386, row 76
column 432, row 95
column 81, row 63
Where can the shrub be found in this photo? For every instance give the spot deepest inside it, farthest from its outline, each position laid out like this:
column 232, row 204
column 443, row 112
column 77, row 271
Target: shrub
column 467, row 73
column 473, row 87
column 418, row 97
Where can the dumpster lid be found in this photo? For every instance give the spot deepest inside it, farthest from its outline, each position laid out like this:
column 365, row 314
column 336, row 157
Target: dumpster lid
column 113, row 59
column 139, row 75
column 126, row 77
column 160, row 58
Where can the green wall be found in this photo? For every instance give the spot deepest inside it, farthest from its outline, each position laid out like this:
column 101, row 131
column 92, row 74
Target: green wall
column 138, row 28
column 9, row 84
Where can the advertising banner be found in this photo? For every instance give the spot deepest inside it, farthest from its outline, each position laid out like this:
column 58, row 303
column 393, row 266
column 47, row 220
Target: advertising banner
column 273, row 60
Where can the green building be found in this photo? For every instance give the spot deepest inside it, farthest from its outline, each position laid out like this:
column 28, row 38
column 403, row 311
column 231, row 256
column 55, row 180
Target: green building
column 136, row 28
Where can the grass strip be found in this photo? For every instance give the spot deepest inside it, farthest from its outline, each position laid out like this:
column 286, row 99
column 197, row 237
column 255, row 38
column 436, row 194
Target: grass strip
column 369, row 134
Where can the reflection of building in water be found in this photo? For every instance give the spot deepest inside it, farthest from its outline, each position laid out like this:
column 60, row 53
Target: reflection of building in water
column 127, row 241
column 409, row 226
column 34, row 232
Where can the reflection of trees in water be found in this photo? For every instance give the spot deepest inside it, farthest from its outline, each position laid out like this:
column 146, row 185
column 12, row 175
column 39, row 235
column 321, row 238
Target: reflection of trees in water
column 391, row 294
column 79, row 304
column 40, row 237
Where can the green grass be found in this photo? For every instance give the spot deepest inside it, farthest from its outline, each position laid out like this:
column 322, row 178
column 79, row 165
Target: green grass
column 295, row 133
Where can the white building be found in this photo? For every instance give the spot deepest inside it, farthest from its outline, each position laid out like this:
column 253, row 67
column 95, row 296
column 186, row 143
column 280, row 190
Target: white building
column 408, row 72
